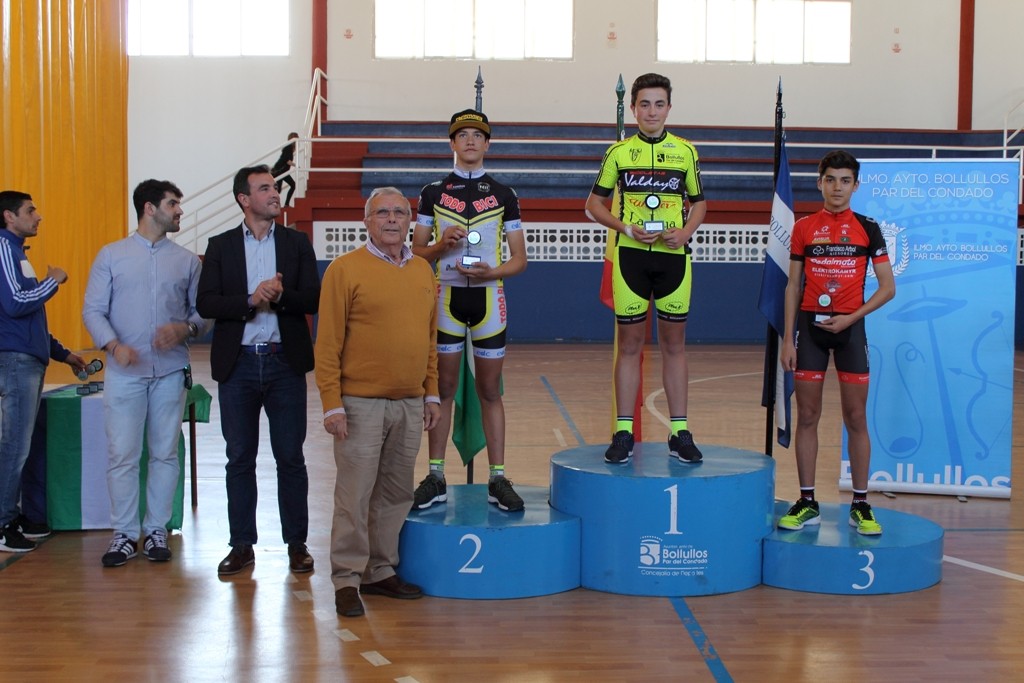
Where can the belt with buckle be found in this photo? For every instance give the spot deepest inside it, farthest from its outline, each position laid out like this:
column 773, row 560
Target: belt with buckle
column 264, row 348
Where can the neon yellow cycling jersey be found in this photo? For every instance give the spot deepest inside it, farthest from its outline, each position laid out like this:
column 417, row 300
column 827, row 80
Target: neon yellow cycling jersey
column 653, row 180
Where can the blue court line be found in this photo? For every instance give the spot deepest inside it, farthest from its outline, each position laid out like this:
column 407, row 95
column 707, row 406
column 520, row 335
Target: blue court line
column 561, row 409
column 704, row 646
column 984, row 530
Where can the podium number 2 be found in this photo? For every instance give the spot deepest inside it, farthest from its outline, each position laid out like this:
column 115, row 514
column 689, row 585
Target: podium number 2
column 478, row 544
column 870, row 557
column 673, row 510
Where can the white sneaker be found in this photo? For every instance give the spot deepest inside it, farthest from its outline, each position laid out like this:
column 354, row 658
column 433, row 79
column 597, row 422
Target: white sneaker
column 120, row 550
column 155, row 547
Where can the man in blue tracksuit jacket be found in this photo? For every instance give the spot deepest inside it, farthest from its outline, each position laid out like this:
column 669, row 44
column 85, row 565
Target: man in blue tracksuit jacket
column 26, row 347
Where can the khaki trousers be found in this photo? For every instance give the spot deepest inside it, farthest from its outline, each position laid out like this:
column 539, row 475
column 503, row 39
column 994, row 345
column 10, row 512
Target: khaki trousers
column 374, row 486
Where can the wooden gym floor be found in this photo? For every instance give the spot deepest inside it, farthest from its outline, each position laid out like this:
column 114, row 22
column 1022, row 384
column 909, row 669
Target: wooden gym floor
column 66, row 618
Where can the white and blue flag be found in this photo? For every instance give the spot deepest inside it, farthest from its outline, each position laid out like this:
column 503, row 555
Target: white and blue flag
column 772, row 299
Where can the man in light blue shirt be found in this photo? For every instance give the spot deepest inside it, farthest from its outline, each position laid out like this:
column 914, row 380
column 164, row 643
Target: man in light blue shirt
column 140, row 307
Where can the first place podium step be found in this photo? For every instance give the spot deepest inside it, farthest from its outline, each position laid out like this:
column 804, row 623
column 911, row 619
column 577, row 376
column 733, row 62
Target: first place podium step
column 656, row 526
column 468, row 548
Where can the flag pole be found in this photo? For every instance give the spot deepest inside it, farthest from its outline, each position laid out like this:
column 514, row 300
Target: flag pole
column 620, row 135
column 606, row 286
column 478, row 85
column 772, row 338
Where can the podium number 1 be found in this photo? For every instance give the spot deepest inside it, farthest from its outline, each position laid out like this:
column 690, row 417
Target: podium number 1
column 673, row 510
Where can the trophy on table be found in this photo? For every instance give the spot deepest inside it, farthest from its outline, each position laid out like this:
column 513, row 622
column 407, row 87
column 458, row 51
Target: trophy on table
column 93, row 366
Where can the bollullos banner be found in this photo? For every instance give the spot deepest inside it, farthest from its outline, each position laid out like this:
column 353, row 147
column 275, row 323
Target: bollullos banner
column 941, row 352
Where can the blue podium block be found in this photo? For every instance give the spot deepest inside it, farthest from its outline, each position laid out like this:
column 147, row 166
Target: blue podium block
column 833, row 558
column 468, row 548
column 655, row 526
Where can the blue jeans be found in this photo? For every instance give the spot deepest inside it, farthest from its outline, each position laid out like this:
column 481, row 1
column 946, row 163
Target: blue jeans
column 265, row 382
column 130, row 406
column 21, row 388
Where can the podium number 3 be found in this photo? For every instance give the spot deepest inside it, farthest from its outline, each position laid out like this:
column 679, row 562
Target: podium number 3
column 870, row 557
column 478, row 544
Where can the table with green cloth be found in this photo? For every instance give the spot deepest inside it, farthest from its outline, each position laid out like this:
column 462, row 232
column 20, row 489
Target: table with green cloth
column 65, row 480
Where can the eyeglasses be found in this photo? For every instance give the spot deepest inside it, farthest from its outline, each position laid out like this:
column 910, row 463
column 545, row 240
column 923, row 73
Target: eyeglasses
column 398, row 212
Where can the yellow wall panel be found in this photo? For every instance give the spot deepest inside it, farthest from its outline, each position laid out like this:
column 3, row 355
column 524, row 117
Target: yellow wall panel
column 63, row 136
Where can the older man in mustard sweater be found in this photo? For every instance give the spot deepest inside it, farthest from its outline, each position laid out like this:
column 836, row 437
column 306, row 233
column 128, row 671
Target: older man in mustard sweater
column 376, row 368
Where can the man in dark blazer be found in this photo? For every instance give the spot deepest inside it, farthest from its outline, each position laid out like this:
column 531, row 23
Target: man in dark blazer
column 259, row 282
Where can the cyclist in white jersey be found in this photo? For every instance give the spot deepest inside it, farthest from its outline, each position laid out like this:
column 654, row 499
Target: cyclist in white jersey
column 461, row 222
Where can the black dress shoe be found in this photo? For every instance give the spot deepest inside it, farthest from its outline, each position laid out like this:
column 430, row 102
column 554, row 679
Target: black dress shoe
column 347, row 602
column 241, row 556
column 392, row 587
column 299, row 559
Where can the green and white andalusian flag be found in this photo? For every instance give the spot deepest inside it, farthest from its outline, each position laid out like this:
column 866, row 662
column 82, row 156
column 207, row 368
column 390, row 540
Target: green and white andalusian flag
column 76, row 461
column 468, row 421
column 468, row 428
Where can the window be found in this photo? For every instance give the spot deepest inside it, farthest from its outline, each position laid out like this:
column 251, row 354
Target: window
column 479, row 29
column 758, row 31
column 207, row 28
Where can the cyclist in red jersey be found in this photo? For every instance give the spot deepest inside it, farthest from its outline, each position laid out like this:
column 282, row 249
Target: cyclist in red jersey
column 825, row 310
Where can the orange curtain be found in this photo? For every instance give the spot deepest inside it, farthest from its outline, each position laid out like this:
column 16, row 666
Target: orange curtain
column 63, row 136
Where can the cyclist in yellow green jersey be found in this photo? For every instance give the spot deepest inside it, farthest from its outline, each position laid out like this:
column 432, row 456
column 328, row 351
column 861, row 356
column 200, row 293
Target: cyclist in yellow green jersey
column 655, row 178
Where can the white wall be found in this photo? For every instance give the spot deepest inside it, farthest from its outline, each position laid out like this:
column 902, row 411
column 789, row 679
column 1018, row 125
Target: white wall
column 914, row 88
column 195, row 120
column 998, row 72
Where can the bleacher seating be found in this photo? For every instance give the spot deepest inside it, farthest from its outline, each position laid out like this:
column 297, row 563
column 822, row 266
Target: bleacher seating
column 741, row 198
column 732, row 171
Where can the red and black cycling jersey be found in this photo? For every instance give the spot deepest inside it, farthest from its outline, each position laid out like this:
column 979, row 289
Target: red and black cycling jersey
column 835, row 249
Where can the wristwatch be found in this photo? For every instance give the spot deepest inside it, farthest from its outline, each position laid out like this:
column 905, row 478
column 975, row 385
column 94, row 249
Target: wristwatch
column 193, row 330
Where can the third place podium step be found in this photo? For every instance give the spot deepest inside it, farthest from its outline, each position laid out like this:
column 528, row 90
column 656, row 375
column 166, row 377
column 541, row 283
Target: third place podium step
column 831, row 557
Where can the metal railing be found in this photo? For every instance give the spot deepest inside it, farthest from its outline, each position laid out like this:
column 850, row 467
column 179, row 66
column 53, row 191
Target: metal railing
column 932, row 150
column 1010, row 136
column 315, row 108
column 212, row 209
